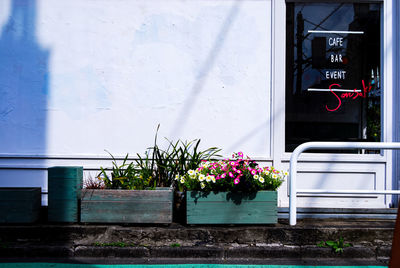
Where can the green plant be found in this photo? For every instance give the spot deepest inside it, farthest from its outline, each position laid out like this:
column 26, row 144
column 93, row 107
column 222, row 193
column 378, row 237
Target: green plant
column 178, row 158
column 124, row 176
column 175, row 245
column 337, row 246
column 158, row 167
column 236, row 175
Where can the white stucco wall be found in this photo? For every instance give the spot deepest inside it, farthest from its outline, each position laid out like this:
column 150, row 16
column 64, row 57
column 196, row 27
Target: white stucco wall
column 113, row 70
column 81, row 76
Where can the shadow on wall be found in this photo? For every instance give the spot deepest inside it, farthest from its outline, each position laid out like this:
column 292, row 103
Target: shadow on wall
column 23, row 83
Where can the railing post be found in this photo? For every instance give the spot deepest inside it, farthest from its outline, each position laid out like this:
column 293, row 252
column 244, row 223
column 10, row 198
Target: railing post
column 293, row 183
column 328, row 145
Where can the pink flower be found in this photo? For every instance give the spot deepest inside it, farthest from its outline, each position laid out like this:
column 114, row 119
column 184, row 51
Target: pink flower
column 218, row 177
column 238, row 171
column 231, row 174
column 240, row 154
column 236, row 181
column 233, row 163
column 223, row 176
column 253, row 172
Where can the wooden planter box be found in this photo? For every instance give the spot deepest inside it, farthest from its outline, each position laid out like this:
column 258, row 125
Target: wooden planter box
column 231, row 208
column 127, row 206
column 20, row 205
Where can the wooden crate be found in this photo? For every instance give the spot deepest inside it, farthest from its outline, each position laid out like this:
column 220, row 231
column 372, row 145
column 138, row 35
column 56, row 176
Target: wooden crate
column 64, row 187
column 127, row 206
column 20, row 205
column 231, row 208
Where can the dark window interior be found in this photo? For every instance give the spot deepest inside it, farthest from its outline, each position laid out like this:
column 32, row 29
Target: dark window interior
column 333, row 74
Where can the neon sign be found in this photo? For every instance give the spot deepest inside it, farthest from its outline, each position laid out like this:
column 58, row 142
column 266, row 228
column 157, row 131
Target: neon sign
column 348, row 95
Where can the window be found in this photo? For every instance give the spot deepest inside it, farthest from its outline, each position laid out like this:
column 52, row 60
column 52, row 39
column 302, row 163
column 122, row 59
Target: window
column 333, row 74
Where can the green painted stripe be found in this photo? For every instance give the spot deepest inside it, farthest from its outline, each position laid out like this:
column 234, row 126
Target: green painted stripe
column 66, row 265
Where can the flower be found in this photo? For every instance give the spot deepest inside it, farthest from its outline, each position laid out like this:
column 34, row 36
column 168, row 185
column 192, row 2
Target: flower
column 177, row 177
column 236, row 174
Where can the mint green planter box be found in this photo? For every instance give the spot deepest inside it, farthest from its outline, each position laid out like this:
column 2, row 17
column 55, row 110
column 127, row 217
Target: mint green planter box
column 64, row 189
column 231, row 208
column 127, row 206
column 20, row 205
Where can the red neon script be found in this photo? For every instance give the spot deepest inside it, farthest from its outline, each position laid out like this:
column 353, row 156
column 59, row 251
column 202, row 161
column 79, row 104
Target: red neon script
column 348, row 95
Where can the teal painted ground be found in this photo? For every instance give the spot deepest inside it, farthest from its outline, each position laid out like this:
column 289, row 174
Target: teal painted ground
column 65, row 265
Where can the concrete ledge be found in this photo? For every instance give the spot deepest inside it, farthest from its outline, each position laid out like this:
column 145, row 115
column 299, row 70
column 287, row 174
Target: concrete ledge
column 375, row 233
column 371, row 239
column 274, row 252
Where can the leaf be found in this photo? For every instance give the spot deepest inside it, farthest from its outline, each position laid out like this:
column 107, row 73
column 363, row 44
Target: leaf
column 339, row 250
column 331, row 243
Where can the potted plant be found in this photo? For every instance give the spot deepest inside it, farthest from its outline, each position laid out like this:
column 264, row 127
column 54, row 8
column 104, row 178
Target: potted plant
column 141, row 191
column 129, row 195
column 236, row 191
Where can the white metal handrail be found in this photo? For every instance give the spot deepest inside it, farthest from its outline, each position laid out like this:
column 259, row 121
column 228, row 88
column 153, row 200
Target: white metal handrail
column 330, row 145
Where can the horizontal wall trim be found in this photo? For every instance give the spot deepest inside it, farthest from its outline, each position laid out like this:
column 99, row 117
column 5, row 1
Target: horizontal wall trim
column 43, row 167
column 92, row 157
column 336, row 158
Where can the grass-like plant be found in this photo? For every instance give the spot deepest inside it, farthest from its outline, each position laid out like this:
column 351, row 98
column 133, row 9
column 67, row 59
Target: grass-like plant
column 337, row 246
column 124, row 176
column 157, row 167
column 178, row 158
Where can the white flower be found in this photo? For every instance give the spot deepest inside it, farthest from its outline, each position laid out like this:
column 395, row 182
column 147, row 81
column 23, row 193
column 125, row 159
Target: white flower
column 202, row 185
column 256, row 177
column 261, row 179
column 177, row 177
column 182, row 180
column 191, row 172
column 274, row 176
column 205, row 164
column 202, row 177
column 213, row 179
column 208, row 178
column 286, row 173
